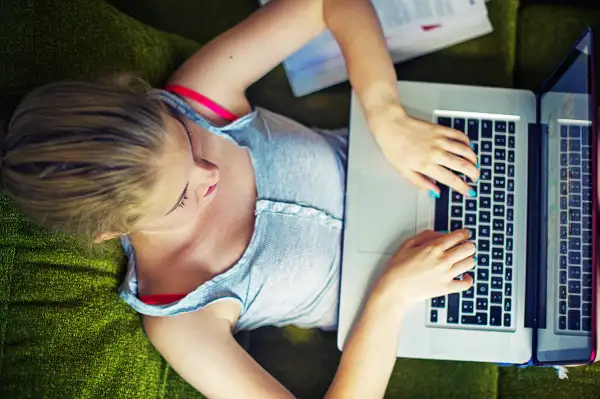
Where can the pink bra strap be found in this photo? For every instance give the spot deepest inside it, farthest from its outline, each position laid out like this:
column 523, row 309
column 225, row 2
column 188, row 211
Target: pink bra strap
column 199, row 98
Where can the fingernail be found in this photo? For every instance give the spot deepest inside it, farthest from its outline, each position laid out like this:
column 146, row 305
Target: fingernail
column 444, row 231
column 477, row 166
column 475, row 258
column 433, row 194
column 472, row 193
column 472, row 146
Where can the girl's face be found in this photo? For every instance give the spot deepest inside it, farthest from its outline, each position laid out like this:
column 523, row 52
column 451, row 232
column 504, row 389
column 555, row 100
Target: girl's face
column 186, row 182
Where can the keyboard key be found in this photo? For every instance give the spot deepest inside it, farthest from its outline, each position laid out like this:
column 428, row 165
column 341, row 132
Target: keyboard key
column 497, row 268
column 486, row 129
column 574, row 287
column 467, row 307
column 564, row 159
column 483, row 245
column 587, row 194
column 586, row 181
column 574, row 173
column 498, row 239
column 586, row 167
column 510, row 212
column 486, row 146
column 511, row 156
column 507, row 305
column 574, row 131
column 562, row 307
column 586, row 152
column 439, row 302
column 456, row 197
column 473, row 129
column 574, row 159
column 587, row 265
column 587, row 236
column 563, row 277
column 496, row 297
column 562, row 292
column 511, row 185
column 574, row 317
column 563, row 203
column 434, row 316
column 564, row 189
column 564, row 131
column 469, row 293
column 479, row 319
column 511, row 142
column 508, row 289
column 574, row 301
column 587, row 223
column 507, row 320
column 485, row 188
column 574, row 272
column 512, row 127
column 500, row 140
column 508, row 274
column 459, row 124
column 586, row 309
column 586, row 324
column 564, row 219
column 500, row 155
column 486, row 159
column 486, row 174
column 575, row 215
column 587, row 208
column 574, row 229
column 482, row 303
column 500, row 168
column 485, row 217
column 470, row 219
column 497, row 283
column 483, row 259
column 511, row 170
column 444, row 121
column 482, row 289
column 495, row 316
column 574, row 201
column 563, row 247
column 452, row 315
column 485, row 202
column 509, row 259
column 575, row 244
column 562, row 323
column 575, row 187
column 498, row 225
column 484, row 231
column 500, row 126
column 574, row 145
column 564, row 145
column 586, row 138
column 455, row 225
column 456, row 211
column 499, row 182
column 499, row 210
column 563, row 262
column 482, row 274
column 471, row 205
column 564, row 174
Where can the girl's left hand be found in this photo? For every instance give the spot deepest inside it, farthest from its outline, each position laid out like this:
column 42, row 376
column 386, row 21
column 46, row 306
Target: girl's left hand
column 422, row 151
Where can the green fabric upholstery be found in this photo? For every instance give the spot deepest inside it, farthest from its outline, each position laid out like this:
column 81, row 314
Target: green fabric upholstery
column 64, row 333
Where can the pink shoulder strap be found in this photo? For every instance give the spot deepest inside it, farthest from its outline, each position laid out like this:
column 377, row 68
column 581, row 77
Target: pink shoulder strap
column 207, row 102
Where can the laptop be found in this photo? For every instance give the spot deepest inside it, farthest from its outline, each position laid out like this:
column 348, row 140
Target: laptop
column 533, row 221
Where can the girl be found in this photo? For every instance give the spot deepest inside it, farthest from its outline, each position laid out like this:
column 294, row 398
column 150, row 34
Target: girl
column 231, row 216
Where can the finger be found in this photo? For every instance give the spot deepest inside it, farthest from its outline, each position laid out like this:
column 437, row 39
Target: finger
column 462, row 267
column 450, row 179
column 451, row 240
column 459, row 164
column 423, row 237
column 461, row 149
column 456, row 135
column 460, row 252
column 423, row 182
column 460, row 285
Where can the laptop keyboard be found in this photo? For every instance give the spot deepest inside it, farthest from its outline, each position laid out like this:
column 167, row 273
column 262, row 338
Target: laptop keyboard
column 489, row 303
column 574, row 300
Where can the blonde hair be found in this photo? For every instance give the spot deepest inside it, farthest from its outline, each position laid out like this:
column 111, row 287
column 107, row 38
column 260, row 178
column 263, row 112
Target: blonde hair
column 79, row 158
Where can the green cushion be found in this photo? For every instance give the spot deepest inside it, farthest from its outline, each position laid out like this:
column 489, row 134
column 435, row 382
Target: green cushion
column 63, row 330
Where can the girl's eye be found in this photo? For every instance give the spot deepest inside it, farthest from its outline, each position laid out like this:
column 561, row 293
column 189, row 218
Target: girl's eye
column 184, row 200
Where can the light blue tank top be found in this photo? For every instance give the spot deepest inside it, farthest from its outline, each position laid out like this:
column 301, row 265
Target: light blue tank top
column 289, row 273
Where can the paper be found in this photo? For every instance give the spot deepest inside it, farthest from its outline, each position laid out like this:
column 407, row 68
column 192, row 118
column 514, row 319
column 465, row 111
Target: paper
column 412, row 28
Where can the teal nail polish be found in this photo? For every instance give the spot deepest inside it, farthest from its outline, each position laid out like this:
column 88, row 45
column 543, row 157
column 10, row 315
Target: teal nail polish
column 472, row 146
column 444, row 231
column 475, row 258
column 477, row 166
column 433, row 194
column 472, row 193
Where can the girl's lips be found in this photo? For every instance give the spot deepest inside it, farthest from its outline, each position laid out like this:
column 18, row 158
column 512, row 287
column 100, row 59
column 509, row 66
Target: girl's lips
column 210, row 190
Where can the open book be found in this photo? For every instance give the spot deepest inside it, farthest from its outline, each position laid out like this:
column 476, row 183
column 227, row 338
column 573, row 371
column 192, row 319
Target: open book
column 412, row 28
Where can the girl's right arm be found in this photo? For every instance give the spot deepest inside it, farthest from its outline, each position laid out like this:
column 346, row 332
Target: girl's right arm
column 201, row 348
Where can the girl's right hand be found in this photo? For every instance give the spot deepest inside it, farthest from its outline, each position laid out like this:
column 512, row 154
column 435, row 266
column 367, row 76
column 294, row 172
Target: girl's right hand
column 425, row 267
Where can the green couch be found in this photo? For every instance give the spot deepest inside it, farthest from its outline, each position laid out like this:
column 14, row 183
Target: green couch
column 64, row 333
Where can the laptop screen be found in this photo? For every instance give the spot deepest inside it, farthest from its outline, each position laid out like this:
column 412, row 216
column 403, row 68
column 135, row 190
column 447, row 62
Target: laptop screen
column 568, row 172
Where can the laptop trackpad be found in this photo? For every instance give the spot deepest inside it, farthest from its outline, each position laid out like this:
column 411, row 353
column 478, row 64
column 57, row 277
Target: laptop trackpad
column 390, row 210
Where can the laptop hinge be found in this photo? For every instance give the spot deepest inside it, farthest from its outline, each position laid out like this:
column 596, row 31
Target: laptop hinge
column 535, row 291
